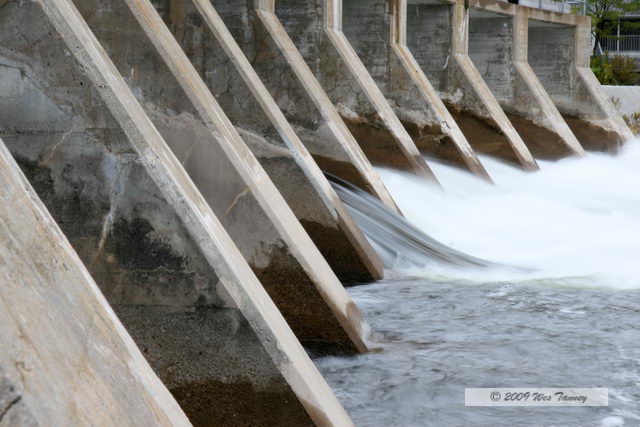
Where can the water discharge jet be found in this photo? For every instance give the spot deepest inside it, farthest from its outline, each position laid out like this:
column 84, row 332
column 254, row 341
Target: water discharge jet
column 399, row 241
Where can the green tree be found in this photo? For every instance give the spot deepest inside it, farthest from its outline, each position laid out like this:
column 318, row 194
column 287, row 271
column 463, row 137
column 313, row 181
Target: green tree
column 605, row 14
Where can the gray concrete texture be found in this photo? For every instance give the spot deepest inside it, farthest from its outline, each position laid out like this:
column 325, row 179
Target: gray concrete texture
column 376, row 31
column 146, row 234
column 559, row 55
column 316, row 30
column 150, row 182
column 437, row 35
column 498, row 48
column 66, row 359
column 226, row 173
column 299, row 95
column 244, row 99
column 626, row 99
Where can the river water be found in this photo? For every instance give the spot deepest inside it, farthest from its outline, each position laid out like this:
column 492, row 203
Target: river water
column 559, row 305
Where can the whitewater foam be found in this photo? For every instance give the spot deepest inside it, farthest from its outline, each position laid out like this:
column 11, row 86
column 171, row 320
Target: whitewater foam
column 576, row 222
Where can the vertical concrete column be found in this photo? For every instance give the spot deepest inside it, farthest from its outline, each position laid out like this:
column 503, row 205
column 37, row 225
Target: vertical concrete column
column 65, row 356
column 377, row 31
column 438, row 36
column 225, row 171
column 558, row 52
column 218, row 335
column 262, row 125
column 299, row 95
column 498, row 49
column 319, row 37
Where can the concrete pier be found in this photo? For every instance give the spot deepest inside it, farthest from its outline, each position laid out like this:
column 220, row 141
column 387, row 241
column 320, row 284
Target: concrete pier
column 438, row 37
column 298, row 94
column 65, row 359
column 318, row 35
column 498, row 42
column 147, row 235
column 377, row 31
column 559, row 51
column 170, row 250
column 228, row 175
column 246, row 101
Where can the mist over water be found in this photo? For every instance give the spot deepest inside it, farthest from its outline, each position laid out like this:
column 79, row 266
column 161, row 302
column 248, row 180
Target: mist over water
column 557, row 306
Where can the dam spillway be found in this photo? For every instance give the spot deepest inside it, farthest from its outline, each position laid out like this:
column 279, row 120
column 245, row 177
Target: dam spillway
column 180, row 147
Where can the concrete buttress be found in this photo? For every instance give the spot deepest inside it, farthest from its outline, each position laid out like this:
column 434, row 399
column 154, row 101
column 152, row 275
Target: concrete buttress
column 438, row 37
column 66, row 359
column 298, row 94
column 559, row 49
column 227, row 174
column 145, row 232
column 248, row 104
column 376, row 29
column 498, row 34
column 317, row 33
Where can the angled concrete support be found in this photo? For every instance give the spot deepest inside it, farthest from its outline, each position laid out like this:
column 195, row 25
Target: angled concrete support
column 146, row 233
column 225, row 171
column 377, row 31
column 318, row 35
column 54, row 320
column 563, row 68
column 246, row 101
column 498, row 48
column 438, row 36
column 298, row 94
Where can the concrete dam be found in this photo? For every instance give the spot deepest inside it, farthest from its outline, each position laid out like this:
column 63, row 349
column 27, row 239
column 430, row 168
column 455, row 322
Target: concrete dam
column 173, row 249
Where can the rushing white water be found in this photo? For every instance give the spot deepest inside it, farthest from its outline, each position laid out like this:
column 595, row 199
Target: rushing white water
column 575, row 222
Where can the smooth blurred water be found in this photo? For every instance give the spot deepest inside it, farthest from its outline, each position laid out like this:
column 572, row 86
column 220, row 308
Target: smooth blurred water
column 569, row 318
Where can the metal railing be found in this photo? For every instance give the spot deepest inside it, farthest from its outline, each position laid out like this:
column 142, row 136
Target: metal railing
column 621, row 44
column 553, row 5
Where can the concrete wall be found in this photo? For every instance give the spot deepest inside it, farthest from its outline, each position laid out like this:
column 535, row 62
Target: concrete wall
column 563, row 68
column 225, row 171
column 437, row 35
column 229, row 75
column 316, row 30
column 54, row 320
column 498, row 48
column 627, row 98
column 376, row 29
column 145, row 232
column 138, row 189
column 299, row 95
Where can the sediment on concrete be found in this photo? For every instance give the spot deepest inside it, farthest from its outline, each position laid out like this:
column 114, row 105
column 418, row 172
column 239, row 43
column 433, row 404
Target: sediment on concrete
column 376, row 29
column 498, row 49
column 227, row 174
column 563, row 68
column 317, row 33
column 298, row 94
column 245, row 100
column 438, row 38
column 53, row 320
column 146, row 234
